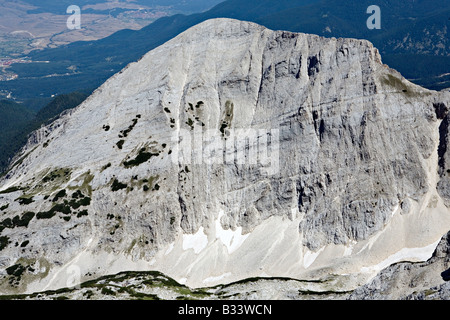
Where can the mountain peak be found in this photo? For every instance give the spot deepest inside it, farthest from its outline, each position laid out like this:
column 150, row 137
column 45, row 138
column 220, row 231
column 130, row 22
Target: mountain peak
column 233, row 151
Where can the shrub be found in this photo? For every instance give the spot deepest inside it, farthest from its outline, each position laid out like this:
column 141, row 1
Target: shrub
column 83, row 202
column 15, row 270
column 16, row 221
column 11, row 190
column 77, row 195
column 7, row 223
column 56, row 174
column 4, row 241
column 199, row 104
column 62, row 207
column 24, row 244
column 190, row 123
column 24, row 220
column 45, row 214
column 82, row 213
column 120, row 144
column 142, row 157
column 59, row 195
column 116, row 185
column 107, row 291
column 124, row 133
column 24, row 201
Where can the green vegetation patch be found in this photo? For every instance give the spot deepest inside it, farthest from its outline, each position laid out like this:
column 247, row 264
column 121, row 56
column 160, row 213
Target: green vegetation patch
column 24, row 200
column 106, row 167
column 4, row 241
column 24, row 244
column 116, row 185
column 151, row 184
column 60, row 207
column 78, row 200
column 83, row 202
column 126, row 132
column 199, row 104
column 120, row 144
column 61, row 194
column 85, row 180
column 17, row 221
column 141, row 158
column 190, row 123
column 82, row 213
column 57, row 174
column 24, row 220
column 11, row 190
column 50, row 182
column 77, row 195
column 16, row 270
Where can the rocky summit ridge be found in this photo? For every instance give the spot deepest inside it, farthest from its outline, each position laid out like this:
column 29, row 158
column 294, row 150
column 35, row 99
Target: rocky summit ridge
column 230, row 152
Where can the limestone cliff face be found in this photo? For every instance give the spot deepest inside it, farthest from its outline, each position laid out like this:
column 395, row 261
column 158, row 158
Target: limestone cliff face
column 233, row 151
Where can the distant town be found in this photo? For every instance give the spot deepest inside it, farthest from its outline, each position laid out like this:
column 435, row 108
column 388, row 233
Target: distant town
column 6, row 75
column 6, row 62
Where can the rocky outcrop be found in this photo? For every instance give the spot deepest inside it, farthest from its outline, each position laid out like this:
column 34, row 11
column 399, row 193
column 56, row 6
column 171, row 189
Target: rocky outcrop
column 411, row 281
column 230, row 152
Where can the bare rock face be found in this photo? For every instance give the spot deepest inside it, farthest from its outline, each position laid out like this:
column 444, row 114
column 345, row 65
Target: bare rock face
column 230, row 152
column 411, row 281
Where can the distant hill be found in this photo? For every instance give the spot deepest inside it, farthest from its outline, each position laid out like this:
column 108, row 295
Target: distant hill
column 59, row 7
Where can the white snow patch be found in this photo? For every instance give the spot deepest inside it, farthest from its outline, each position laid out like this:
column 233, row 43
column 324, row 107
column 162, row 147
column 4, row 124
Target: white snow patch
column 406, row 254
column 348, row 251
column 396, row 209
column 197, row 241
column 309, row 257
column 182, row 281
column 169, row 249
column 231, row 239
column 370, row 243
column 216, row 279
